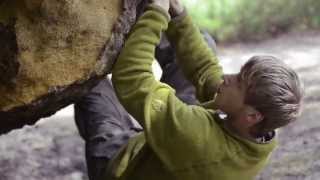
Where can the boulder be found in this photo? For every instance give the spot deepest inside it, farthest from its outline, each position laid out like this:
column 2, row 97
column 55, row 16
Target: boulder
column 52, row 52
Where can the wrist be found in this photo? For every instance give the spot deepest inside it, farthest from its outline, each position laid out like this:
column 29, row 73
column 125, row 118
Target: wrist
column 179, row 16
column 160, row 9
column 177, row 11
column 161, row 6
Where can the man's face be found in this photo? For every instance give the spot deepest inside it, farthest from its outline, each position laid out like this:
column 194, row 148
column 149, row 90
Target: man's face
column 231, row 94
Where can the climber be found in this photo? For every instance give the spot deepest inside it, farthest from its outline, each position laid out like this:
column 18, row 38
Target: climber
column 227, row 132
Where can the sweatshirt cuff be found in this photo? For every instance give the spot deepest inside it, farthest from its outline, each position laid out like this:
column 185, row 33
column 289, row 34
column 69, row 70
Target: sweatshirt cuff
column 159, row 9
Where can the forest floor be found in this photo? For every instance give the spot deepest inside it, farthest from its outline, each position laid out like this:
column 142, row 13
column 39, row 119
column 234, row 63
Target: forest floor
column 53, row 150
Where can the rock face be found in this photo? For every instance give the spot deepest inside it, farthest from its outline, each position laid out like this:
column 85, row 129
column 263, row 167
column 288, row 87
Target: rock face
column 53, row 51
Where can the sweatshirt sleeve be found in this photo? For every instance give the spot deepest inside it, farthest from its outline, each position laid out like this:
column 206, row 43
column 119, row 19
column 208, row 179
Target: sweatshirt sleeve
column 197, row 61
column 132, row 74
column 170, row 126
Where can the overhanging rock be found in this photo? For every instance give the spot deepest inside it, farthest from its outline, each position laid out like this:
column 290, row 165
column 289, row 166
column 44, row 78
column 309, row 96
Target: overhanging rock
column 54, row 51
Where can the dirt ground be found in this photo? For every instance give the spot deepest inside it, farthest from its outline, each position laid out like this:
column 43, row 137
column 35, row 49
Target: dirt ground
column 53, row 150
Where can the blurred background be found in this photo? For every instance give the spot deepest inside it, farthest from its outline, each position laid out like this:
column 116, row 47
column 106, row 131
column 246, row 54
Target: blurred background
column 247, row 20
column 287, row 29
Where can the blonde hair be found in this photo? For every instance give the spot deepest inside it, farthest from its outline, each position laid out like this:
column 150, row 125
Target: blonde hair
column 274, row 89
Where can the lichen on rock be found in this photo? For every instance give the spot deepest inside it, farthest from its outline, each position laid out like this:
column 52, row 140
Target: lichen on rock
column 64, row 47
column 59, row 42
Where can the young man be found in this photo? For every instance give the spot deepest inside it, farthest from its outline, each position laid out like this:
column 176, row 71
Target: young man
column 181, row 141
column 105, row 125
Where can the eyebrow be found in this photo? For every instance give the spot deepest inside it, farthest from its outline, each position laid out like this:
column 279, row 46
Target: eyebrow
column 239, row 78
column 241, row 75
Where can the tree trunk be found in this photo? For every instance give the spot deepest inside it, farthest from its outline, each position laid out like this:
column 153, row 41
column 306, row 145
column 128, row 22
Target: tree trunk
column 52, row 52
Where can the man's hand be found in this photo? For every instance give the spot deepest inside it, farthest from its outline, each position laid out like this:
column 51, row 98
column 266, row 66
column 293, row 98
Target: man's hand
column 176, row 8
column 165, row 4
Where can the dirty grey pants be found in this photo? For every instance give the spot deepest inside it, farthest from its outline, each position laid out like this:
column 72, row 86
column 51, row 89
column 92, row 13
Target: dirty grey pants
column 106, row 126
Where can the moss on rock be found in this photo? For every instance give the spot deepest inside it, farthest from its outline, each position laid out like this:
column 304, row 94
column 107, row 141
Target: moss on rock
column 59, row 43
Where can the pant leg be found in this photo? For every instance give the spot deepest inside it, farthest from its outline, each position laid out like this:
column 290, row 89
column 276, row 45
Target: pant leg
column 172, row 74
column 104, row 125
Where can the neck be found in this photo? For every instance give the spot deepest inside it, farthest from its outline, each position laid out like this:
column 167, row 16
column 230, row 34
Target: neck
column 239, row 131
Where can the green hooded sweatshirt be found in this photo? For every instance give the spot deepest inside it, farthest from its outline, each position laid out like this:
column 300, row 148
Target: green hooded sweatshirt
column 180, row 141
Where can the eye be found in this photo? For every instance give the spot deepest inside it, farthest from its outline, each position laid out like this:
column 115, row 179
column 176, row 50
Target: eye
column 238, row 78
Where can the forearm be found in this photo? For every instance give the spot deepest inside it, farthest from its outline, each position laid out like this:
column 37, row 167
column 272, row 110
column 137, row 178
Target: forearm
column 132, row 74
column 196, row 59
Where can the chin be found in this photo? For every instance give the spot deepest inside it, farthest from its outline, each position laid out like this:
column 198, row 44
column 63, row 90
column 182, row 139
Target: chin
column 225, row 109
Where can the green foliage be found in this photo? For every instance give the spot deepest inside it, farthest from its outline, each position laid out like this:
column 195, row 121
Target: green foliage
column 230, row 20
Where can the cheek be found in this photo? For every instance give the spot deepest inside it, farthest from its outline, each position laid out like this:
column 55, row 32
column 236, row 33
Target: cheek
column 230, row 99
column 234, row 99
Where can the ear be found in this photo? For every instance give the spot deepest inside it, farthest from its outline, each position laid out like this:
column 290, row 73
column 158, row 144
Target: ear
column 253, row 116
